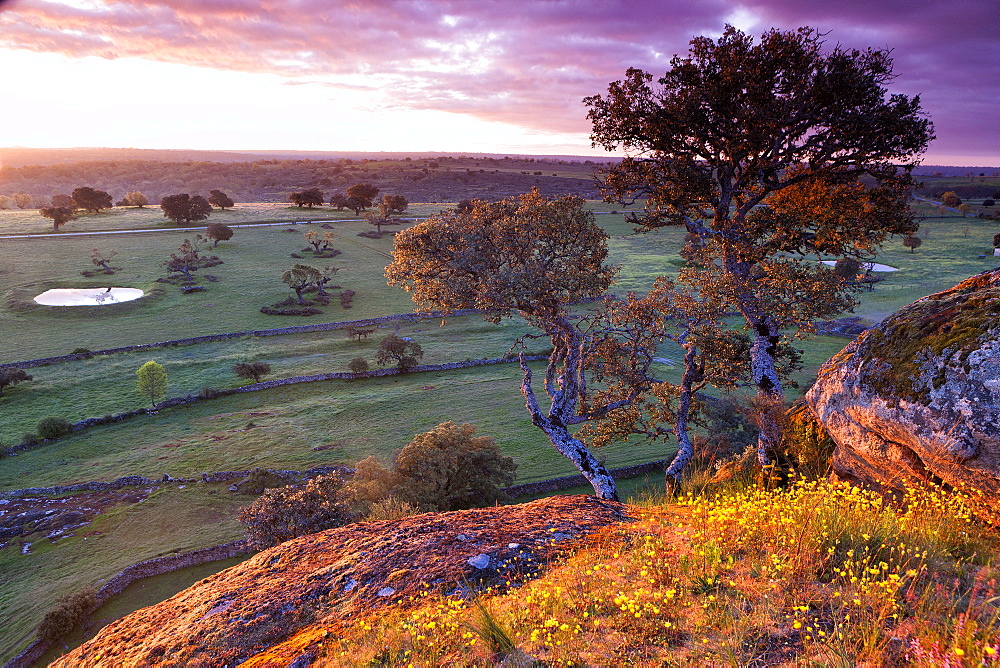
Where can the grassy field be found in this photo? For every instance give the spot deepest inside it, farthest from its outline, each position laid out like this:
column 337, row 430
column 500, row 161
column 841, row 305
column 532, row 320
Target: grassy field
column 296, row 426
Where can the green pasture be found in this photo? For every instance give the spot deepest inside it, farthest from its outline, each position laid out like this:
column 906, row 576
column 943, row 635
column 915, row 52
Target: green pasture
column 170, row 520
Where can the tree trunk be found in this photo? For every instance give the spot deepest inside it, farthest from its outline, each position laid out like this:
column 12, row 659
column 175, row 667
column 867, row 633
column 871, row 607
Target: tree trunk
column 298, row 293
column 574, row 450
column 685, row 449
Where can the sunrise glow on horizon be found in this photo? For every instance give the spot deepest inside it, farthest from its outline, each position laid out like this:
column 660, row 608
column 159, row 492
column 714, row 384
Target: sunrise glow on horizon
column 443, row 76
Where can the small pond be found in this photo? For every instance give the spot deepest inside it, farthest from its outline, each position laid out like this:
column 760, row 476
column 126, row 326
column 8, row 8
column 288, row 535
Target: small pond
column 871, row 266
column 87, row 296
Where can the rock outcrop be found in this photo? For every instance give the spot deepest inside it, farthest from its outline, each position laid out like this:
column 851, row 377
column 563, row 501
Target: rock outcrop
column 917, row 398
column 328, row 577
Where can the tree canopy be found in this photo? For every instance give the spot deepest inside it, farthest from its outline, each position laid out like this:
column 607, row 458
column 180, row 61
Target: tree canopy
column 151, row 381
column 774, row 153
column 184, row 209
column 60, row 215
column 310, row 197
column 220, row 199
column 218, row 232
column 89, row 199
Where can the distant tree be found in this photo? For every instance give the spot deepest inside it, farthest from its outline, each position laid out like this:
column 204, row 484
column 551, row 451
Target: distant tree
column 996, row 240
column 912, row 242
column 220, row 199
column 12, row 376
column 395, row 203
column 184, row 209
column 403, row 352
column 185, row 260
column 964, row 209
column 252, row 370
column 319, row 243
column 218, row 232
column 300, row 277
column 365, row 190
column 464, row 206
column 338, row 201
column 847, row 268
column 151, row 381
column 950, row 199
column 358, row 204
column 325, row 276
column 5, row 202
column 22, row 200
column 310, row 198
column 377, row 219
column 60, row 215
column 63, row 200
column 281, row 514
column 134, row 198
column 358, row 366
column 102, row 260
column 986, row 202
column 89, row 199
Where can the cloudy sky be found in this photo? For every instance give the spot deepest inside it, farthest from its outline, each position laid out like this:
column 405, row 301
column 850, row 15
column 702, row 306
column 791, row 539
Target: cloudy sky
column 432, row 75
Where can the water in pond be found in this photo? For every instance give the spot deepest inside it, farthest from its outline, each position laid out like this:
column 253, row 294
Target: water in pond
column 87, row 296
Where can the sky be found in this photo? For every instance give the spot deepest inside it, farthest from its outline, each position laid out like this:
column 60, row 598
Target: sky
column 433, row 75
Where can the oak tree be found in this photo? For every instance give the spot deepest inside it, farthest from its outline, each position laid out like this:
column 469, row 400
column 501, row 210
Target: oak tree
column 220, row 199
column 310, row 197
column 22, row 200
column 401, row 351
column 184, row 208
column 252, row 370
column 218, row 232
column 299, row 278
column 772, row 152
column 338, row 201
column 12, row 376
column 89, row 199
column 60, row 215
column 134, row 198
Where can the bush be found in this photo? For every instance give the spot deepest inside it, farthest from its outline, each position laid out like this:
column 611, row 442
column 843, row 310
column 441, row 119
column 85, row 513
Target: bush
column 291, row 310
column 29, row 439
column 286, row 513
column 69, row 612
column 54, row 427
column 391, row 508
column 346, row 297
column 209, row 393
column 806, row 442
column 251, row 370
column 260, row 480
column 358, row 365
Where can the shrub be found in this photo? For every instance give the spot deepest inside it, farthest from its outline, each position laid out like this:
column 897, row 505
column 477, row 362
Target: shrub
column 346, row 297
column 404, row 352
column 54, row 427
column 391, row 508
column 260, row 480
column 806, row 442
column 252, row 370
column 12, row 376
column 70, row 611
column 286, row 513
column 448, row 468
column 208, row 393
column 29, row 439
column 358, row 365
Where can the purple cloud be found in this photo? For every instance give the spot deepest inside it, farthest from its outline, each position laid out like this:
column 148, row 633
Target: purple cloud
column 527, row 63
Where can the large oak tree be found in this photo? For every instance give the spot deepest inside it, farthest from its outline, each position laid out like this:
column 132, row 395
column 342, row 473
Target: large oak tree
column 774, row 153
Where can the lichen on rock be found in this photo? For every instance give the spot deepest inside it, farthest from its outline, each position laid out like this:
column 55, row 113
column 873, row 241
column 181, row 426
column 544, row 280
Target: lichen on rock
column 917, row 398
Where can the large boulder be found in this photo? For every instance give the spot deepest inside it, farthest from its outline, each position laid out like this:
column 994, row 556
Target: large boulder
column 917, row 398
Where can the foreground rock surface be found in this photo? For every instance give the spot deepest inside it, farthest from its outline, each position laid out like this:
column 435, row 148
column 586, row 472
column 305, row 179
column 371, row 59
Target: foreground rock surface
column 917, row 398
column 236, row 614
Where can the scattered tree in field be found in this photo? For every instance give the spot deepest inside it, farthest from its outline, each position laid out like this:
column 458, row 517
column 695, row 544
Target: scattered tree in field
column 218, row 232
column 950, row 199
column 102, row 260
column 464, row 206
column 310, row 198
column 5, row 202
column 187, row 259
column 358, row 366
column 358, row 204
column 847, row 268
column 134, row 198
column 288, row 512
column 252, row 370
column 365, row 190
column 300, row 277
column 92, row 200
column 338, row 201
column 447, row 468
column 184, row 209
column 12, row 376
column 964, row 209
column 770, row 152
column 377, row 219
column 151, row 381
column 986, row 202
column 51, row 428
column 318, row 242
column 63, row 200
column 359, row 333
column 71, row 611
column 221, row 200
column 325, row 276
column 22, row 200
column 534, row 256
column 395, row 203
column 395, row 349
column 60, row 215
column 912, row 242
